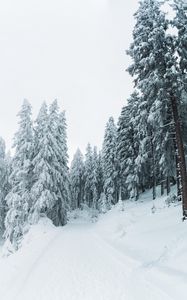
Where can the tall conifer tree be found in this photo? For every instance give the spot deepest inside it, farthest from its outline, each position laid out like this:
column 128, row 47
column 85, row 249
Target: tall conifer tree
column 19, row 198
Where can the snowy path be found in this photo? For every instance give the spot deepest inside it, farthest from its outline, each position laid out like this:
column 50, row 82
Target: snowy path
column 75, row 263
column 74, row 266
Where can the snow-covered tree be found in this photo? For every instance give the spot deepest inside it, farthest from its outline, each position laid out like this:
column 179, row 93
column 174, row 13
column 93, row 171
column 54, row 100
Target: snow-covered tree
column 180, row 23
column 122, row 145
column 96, row 179
column 175, row 85
column 50, row 189
column 147, row 52
column 157, row 73
column 63, row 182
column 3, row 184
column 42, row 190
column 89, row 177
column 86, row 178
column 103, row 206
column 129, row 149
column 21, row 179
column 110, row 163
column 98, row 167
column 77, row 180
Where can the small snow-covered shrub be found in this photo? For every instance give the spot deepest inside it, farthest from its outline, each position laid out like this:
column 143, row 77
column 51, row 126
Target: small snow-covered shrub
column 172, row 198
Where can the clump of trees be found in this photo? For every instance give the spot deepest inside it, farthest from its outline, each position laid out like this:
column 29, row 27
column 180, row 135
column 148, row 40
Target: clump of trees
column 159, row 70
column 35, row 181
column 147, row 147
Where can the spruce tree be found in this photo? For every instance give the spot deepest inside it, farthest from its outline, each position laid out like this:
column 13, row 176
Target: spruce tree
column 148, row 52
column 42, row 190
column 180, row 23
column 89, row 177
column 99, row 173
column 77, row 180
column 175, row 84
column 63, row 183
column 50, row 189
column 122, row 153
column 95, row 183
column 110, row 163
column 157, row 73
column 3, row 184
column 19, row 198
column 102, row 204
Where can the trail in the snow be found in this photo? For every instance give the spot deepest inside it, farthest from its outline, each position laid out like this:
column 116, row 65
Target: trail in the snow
column 74, row 266
column 77, row 264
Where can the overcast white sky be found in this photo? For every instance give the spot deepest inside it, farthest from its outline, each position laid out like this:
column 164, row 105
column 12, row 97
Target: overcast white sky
column 72, row 50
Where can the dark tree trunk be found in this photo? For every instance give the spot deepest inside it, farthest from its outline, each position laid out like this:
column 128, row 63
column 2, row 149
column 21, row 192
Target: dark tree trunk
column 178, row 177
column 162, row 185
column 137, row 192
column 142, row 188
column 179, row 195
column 168, row 185
column 154, row 168
column 181, row 155
column 162, row 188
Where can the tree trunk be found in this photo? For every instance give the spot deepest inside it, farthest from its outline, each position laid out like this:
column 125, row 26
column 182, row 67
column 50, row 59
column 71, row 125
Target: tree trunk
column 179, row 195
column 168, row 185
column 181, row 155
column 162, row 188
column 162, row 185
column 137, row 192
column 178, row 177
column 142, row 188
column 154, row 168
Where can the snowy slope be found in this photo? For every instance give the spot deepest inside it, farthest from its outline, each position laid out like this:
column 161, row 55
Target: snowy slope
column 158, row 243
column 131, row 254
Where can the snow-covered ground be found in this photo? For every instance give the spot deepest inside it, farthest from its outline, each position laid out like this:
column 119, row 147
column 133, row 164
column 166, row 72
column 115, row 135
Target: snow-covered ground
column 127, row 255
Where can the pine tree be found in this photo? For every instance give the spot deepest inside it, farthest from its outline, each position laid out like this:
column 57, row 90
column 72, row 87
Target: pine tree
column 63, row 183
column 129, row 139
column 99, row 173
column 77, row 180
column 110, row 163
column 89, row 177
column 174, row 89
column 122, row 154
column 148, row 51
column 3, row 184
column 42, row 190
column 95, row 183
column 180, row 23
column 50, row 189
column 175, row 84
column 58, row 160
column 134, row 165
column 103, row 204
column 158, row 76
column 19, row 198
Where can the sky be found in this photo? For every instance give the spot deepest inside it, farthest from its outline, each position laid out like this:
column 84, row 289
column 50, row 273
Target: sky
column 72, row 50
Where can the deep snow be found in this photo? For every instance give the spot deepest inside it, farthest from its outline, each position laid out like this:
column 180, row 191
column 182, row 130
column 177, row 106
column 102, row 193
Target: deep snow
column 127, row 255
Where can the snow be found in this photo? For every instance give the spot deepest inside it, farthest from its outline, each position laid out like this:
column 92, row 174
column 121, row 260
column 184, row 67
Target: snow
column 128, row 254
